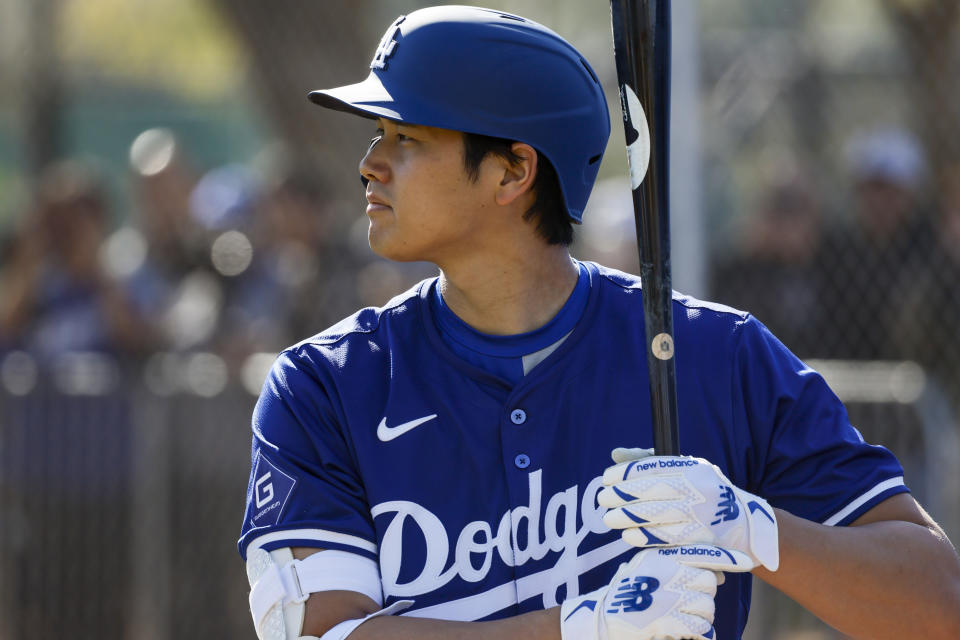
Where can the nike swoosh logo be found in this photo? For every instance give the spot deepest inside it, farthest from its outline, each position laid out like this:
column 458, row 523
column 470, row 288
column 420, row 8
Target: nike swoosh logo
column 386, row 434
column 586, row 604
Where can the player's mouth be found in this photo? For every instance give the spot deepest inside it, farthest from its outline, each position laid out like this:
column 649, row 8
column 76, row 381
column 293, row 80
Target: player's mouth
column 375, row 203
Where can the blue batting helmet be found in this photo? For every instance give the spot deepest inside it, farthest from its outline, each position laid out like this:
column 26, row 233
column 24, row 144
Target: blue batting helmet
column 491, row 73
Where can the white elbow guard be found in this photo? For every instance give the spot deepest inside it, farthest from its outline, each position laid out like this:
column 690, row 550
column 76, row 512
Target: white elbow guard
column 281, row 584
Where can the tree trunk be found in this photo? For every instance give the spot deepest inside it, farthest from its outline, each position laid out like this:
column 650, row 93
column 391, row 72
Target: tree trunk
column 927, row 29
column 43, row 90
column 295, row 47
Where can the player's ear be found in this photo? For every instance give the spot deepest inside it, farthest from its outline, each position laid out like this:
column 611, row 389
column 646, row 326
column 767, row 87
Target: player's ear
column 519, row 174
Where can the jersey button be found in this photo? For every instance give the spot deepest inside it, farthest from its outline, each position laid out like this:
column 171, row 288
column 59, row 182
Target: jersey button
column 522, row 461
column 518, row 416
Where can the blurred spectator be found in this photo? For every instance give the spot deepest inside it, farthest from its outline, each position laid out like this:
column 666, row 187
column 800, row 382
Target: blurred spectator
column 775, row 276
column 225, row 204
column 164, row 180
column 231, row 261
column 65, row 458
column 930, row 316
column 162, row 243
column 284, row 268
column 865, row 264
column 306, row 256
column 57, row 295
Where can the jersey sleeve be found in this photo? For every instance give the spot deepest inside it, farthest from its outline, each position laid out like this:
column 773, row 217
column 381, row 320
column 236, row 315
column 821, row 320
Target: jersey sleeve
column 304, row 488
column 808, row 458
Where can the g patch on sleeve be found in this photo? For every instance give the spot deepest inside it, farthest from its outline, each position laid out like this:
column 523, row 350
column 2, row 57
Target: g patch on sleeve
column 270, row 492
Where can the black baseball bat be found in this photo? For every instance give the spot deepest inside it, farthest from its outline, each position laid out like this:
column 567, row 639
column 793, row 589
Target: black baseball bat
column 641, row 46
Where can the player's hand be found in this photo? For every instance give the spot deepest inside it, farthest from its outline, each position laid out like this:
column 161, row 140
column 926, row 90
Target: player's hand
column 659, row 594
column 673, row 500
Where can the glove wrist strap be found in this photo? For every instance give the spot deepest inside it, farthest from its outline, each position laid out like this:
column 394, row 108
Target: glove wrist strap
column 763, row 530
column 580, row 616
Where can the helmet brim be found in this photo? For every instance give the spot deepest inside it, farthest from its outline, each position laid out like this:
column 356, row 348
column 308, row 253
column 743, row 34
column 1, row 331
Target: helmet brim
column 368, row 99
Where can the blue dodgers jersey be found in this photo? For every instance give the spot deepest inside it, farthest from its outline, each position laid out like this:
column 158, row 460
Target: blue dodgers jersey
column 478, row 497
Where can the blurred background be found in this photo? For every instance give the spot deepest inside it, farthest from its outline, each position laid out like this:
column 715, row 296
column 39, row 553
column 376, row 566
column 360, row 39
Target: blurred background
column 173, row 212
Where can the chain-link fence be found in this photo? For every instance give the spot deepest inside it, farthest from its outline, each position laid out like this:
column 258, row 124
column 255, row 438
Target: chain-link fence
column 170, row 200
column 121, row 489
column 896, row 404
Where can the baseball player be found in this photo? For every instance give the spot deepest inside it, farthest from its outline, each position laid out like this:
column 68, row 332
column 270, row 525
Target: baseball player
column 440, row 467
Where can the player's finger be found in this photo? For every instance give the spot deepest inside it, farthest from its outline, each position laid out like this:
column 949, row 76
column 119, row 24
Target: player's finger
column 698, row 602
column 663, row 466
column 647, row 465
column 646, row 514
column 657, row 488
column 700, row 628
column 661, row 536
column 621, row 471
column 624, row 454
column 710, row 557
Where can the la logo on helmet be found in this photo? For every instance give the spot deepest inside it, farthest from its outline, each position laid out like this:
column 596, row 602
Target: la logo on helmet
column 388, row 45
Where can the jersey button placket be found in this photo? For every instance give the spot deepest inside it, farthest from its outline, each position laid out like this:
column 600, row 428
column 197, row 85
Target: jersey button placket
column 518, row 417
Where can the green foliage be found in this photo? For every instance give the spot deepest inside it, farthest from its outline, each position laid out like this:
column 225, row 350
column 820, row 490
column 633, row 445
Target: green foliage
column 181, row 45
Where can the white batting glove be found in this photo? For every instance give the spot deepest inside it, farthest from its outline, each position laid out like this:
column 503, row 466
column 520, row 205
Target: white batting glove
column 661, row 594
column 674, row 500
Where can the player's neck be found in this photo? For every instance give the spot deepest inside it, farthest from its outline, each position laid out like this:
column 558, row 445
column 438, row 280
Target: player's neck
column 512, row 294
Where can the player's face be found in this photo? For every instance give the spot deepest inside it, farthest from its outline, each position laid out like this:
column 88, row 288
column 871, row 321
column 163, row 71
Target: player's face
column 422, row 205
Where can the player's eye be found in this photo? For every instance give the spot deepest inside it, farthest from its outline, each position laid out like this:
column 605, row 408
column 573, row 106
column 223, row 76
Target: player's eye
column 403, row 137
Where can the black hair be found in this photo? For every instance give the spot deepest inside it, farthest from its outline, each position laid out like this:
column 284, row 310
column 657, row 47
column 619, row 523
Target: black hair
column 553, row 223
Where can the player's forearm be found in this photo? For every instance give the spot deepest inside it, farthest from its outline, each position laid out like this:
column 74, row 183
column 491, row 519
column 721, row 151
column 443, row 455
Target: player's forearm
column 536, row 625
column 890, row 579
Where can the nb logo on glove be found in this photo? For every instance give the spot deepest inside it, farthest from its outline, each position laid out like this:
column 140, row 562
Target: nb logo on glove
column 727, row 508
column 634, row 594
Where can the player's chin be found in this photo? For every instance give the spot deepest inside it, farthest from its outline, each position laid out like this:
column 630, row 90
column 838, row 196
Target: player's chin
column 385, row 244
column 380, row 233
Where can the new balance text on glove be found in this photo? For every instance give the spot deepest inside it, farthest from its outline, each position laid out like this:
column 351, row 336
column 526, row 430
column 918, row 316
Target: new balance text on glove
column 678, row 500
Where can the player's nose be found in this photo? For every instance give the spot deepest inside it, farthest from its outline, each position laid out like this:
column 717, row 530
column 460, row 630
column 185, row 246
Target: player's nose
column 372, row 167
